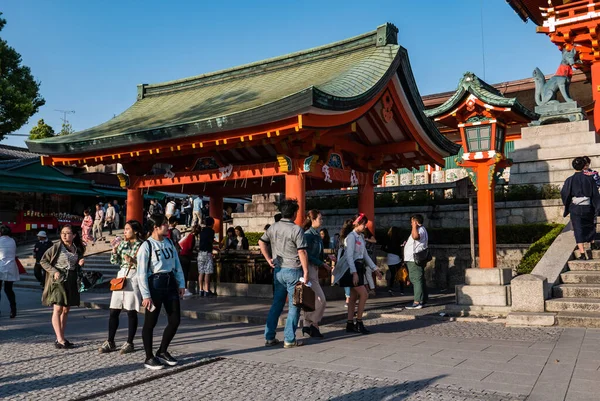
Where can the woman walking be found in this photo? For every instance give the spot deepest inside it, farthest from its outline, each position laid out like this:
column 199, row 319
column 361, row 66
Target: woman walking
column 582, row 201
column 161, row 282
column 316, row 260
column 124, row 254
column 61, row 263
column 351, row 272
column 9, row 272
column 393, row 247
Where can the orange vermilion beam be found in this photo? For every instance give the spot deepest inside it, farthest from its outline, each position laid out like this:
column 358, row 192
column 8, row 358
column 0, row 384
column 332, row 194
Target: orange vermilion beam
column 197, row 177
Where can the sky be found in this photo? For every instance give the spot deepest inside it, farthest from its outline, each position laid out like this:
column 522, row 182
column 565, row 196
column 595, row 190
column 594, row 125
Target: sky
column 90, row 55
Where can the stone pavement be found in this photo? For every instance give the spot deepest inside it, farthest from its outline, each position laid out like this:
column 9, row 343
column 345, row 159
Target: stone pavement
column 401, row 360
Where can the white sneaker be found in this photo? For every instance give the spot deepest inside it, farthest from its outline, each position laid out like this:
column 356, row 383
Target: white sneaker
column 187, row 293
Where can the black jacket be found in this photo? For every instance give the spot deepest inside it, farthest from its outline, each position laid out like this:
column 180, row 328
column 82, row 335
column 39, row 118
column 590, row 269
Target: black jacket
column 40, row 248
column 579, row 185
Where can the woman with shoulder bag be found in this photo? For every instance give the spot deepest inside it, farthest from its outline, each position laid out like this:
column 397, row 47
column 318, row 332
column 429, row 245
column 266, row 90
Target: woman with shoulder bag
column 316, row 260
column 161, row 282
column 124, row 254
column 61, row 290
column 350, row 272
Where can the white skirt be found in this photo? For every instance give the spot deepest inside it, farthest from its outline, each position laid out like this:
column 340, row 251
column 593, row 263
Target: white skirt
column 129, row 298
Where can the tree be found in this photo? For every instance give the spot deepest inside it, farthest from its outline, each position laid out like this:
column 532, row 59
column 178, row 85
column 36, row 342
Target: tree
column 66, row 129
column 19, row 92
column 41, row 131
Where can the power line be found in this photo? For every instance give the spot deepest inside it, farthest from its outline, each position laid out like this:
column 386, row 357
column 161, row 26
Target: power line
column 482, row 41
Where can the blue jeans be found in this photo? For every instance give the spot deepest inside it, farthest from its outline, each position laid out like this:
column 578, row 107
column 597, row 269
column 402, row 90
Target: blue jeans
column 347, row 292
column 285, row 280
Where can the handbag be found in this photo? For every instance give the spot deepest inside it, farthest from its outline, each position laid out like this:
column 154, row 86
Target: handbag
column 422, row 257
column 20, row 266
column 118, row 284
column 304, row 297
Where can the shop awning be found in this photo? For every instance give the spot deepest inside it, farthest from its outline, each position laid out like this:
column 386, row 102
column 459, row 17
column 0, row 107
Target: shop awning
column 111, row 193
column 22, row 187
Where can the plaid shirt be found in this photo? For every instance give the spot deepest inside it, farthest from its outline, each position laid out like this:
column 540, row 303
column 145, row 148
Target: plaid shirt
column 125, row 248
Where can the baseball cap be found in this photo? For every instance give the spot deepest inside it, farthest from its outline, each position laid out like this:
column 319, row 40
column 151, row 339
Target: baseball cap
column 42, row 234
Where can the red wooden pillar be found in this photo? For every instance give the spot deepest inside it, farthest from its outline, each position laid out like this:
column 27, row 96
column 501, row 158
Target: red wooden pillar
column 595, row 69
column 135, row 205
column 295, row 189
column 215, row 210
column 366, row 202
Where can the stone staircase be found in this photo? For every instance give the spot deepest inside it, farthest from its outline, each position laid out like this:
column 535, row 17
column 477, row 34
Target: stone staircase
column 577, row 300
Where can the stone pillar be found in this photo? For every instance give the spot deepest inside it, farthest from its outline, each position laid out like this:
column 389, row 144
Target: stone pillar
column 295, row 188
column 215, row 210
column 135, row 205
column 366, row 202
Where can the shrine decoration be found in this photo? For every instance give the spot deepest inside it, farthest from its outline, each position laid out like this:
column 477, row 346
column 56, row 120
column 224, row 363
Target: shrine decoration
column 226, row 171
column 285, row 163
column 378, row 177
column 310, row 163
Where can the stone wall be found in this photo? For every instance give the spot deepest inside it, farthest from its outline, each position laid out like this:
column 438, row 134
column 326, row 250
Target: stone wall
column 446, row 216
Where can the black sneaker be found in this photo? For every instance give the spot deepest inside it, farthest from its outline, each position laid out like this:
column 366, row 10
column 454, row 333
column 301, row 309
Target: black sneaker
column 153, row 363
column 58, row 345
column 69, row 344
column 166, row 358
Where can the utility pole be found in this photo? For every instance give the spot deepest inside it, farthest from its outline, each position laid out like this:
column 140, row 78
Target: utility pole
column 65, row 112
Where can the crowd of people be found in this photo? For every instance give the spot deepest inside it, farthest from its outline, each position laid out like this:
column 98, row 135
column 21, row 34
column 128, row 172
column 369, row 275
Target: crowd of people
column 154, row 262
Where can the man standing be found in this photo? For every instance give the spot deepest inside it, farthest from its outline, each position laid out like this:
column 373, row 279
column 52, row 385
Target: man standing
column 287, row 242
column 187, row 211
column 197, row 211
column 417, row 241
column 117, row 214
column 110, row 217
column 38, row 251
column 98, row 223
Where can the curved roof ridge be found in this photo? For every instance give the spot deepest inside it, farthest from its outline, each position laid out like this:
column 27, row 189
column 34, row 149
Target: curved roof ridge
column 471, row 83
column 308, row 55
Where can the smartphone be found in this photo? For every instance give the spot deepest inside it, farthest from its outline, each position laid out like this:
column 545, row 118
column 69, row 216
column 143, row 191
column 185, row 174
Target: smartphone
column 152, row 308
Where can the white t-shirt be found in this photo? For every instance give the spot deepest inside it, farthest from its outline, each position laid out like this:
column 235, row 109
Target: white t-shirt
column 393, row 259
column 413, row 246
column 170, row 208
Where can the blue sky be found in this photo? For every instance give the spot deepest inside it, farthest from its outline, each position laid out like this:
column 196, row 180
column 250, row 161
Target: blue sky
column 90, row 55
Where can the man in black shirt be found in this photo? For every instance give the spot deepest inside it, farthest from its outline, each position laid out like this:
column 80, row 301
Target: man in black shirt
column 38, row 251
column 206, row 265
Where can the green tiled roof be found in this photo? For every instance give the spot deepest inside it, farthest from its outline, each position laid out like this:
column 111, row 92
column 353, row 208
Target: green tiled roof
column 338, row 76
column 471, row 84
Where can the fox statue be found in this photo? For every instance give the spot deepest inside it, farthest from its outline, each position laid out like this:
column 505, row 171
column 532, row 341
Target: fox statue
column 545, row 91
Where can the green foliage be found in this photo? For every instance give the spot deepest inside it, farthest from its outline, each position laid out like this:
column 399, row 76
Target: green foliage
column 19, row 92
column 66, row 129
column 508, row 234
column 253, row 238
column 41, row 131
column 537, row 250
column 527, row 192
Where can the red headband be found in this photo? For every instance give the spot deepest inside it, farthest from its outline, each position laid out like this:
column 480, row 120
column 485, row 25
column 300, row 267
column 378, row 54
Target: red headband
column 358, row 219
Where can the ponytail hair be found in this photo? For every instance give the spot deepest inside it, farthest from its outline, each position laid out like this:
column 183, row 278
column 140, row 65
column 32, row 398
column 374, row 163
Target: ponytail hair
column 155, row 220
column 351, row 223
column 311, row 215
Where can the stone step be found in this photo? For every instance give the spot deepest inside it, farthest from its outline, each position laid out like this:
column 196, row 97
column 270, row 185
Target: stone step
column 576, row 291
column 545, row 153
column 584, row 265
column 578, row 319
column 581, row 277
column 573, row 305
column 595, row 254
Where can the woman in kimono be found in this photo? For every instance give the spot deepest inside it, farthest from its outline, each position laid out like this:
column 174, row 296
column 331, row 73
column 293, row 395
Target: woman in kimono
column 86, row 227
column 582, row 201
